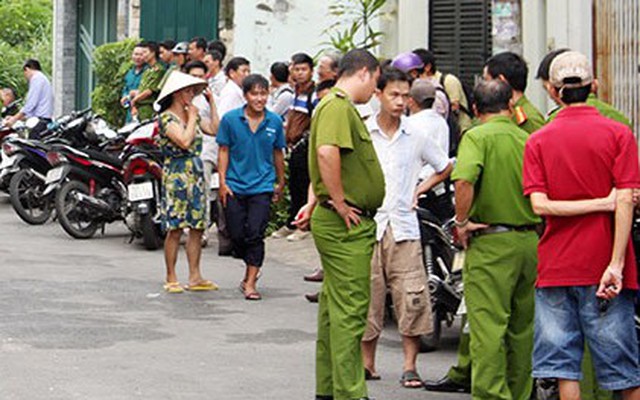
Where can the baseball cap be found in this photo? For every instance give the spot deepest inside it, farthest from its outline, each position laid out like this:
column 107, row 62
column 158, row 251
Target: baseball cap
column 573, row 66
column 422, row 90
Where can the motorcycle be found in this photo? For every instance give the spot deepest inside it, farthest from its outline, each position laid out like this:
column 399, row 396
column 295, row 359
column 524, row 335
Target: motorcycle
column 143, row 177
column 6, row 161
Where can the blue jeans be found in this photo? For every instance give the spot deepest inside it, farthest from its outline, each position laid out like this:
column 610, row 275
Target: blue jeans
column 566, row 317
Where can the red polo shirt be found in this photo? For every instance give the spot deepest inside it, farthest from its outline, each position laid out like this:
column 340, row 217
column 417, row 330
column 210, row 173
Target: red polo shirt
column 580, row 155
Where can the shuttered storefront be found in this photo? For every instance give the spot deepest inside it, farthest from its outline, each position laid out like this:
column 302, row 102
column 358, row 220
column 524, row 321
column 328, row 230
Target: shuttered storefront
column 460, row 36
column 180, row 20
column 617, row 47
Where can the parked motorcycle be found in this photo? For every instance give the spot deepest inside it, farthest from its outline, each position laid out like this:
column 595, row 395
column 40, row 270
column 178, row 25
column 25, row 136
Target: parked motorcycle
column 6, row 161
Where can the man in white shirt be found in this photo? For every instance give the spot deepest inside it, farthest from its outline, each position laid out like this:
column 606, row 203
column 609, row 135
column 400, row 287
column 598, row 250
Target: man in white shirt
column 397, row 257
column 231, row 96
column 282, row 94
column 215, row 75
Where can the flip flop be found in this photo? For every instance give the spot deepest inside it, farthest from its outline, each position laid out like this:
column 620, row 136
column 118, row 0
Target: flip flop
column 253, row 296
column 172, row 287
column 370, row 376
column 242, row 282
column 202, row 286
column 409, row 377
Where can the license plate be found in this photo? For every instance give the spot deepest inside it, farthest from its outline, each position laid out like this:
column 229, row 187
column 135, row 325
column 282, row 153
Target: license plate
column 53, row 175
column 7, row 161
column 140, row 191
column 215, row 181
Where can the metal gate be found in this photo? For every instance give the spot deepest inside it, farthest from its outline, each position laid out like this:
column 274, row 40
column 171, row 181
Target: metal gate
column 617, row 45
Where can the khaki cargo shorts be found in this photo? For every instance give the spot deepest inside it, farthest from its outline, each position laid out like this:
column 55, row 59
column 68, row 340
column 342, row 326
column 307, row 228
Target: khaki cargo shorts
column 399, row 267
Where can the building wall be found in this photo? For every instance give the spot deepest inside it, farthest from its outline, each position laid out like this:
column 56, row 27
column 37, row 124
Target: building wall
column 64, row 55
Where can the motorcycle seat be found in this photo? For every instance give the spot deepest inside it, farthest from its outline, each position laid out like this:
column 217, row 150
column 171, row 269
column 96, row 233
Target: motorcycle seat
column 104, row 157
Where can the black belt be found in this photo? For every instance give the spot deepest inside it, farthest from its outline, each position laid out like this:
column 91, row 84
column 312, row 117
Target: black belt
column 504, row 228
column 363, row 213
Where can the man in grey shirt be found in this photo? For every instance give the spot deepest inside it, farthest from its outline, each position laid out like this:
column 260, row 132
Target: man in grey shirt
column 39, row 101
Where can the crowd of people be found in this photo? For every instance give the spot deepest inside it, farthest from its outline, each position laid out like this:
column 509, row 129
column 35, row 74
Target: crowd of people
column 362, row 143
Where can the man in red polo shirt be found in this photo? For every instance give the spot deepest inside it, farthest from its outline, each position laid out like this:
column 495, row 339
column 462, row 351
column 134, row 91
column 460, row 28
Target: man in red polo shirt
column 578, row 170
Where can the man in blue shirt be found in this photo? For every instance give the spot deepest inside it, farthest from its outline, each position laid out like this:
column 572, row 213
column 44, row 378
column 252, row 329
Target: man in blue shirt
column 39, row 101
column 250, row 159
column 132, row 78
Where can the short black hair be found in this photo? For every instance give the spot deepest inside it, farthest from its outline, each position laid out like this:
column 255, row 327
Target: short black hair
column 492, row 96
column 216, row 55
column 168, row 44
column 235, row 63
column 392, row 74
column 201, row 43
column 252, row 81
column 355, row 60
column 10, row 90
column 152, row 46
column 545, row 64
column 280, row 71
column 33, row 64
column 326, row 84
column 194, row 64
column 574, row 95
column 219, row 46
column 427, row 57
column 302, row 58
column 512, row 67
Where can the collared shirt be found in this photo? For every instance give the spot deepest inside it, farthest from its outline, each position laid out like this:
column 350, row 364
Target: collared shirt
column 231, row 98
column 132, row 79
column 281, row 100
column 251, row 162
column 402, row 156
column 39, row 101
column 490, row 157
column 217, row 83
column 434, row 126
column 336, row 122
column 527, row 116
column 605, row 109
column 209, row 145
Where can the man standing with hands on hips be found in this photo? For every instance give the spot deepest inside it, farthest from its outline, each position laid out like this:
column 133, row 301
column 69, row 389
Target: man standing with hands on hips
column 348, row 182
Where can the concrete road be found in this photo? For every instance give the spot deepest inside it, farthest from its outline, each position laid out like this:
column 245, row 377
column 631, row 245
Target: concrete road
column 88, row 320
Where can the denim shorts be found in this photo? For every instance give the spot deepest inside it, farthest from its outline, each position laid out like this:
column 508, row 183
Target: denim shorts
column 567, row 317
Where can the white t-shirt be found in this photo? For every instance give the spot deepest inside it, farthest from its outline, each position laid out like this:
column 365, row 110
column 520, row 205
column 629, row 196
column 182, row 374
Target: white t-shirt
column 231, row 97
column 434, row 126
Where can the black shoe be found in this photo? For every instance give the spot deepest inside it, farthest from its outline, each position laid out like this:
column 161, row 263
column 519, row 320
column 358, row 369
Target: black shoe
column 446, row 385
column 315, row 276
column 312, row 297
column 324, row 397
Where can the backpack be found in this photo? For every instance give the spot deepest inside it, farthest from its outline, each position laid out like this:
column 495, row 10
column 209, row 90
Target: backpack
column 468, row 94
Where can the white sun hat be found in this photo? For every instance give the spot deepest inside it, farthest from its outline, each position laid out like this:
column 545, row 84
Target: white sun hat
column 177, row 81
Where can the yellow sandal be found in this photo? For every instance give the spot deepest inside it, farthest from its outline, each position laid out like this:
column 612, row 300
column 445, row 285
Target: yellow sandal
column 173, row 287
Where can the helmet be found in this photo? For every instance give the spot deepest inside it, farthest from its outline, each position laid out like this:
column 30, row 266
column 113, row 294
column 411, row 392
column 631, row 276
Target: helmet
column 181, row 48
column 407, row 62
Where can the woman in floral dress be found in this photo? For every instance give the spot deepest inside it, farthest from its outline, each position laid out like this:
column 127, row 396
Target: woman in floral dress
column 183, row 189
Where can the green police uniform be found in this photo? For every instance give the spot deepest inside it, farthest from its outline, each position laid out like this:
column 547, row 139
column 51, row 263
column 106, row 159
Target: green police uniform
column 151, row 79
column 528, row 118
column 500, row 269
column 345, row 254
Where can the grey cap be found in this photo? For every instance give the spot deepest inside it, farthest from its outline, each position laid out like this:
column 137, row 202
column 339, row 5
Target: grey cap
column 181, row 48
column 422, row 90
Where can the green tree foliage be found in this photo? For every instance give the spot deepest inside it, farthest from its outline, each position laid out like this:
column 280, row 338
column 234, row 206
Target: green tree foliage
column 353, row 27
column 111, row 62
column 25, row 32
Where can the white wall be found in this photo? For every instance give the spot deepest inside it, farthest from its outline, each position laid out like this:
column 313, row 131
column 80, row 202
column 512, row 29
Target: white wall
column 272, row 30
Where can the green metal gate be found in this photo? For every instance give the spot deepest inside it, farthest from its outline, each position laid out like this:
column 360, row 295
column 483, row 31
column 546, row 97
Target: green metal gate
column 97, row 21
column 178, row 19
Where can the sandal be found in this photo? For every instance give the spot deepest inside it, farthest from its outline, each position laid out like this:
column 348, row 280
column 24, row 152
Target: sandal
column 371, row 376
column 409, row 380
column 253, row 296
column 172, row 287
column 202, row 286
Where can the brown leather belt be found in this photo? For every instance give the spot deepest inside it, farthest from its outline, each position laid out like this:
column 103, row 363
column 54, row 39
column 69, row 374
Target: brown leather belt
column 363, row 213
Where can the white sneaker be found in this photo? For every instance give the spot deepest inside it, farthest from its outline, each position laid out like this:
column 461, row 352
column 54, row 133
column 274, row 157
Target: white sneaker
column 282, row 232
column 298, row 235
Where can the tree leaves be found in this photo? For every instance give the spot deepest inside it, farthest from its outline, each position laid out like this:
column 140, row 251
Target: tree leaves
column 357, row 16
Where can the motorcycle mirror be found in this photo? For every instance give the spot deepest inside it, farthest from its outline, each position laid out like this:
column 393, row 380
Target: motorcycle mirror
column 32, row 122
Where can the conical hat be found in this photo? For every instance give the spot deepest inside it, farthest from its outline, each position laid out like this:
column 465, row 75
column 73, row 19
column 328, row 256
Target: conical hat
column 177, row 81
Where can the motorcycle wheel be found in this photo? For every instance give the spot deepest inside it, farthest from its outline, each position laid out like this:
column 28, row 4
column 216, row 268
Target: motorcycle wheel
column 151, row 234
column 431, row 342
column 73, row 218
column 25, row 191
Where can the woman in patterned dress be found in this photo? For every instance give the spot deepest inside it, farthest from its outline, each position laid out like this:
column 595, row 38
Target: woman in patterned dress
column 183, row 190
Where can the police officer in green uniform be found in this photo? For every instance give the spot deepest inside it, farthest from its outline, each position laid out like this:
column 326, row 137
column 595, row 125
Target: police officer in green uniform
column 348, row 184
column 496, row 224
column 512, row 69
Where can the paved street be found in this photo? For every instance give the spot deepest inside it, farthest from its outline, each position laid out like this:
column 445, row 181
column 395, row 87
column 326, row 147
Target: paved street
column 88, row 320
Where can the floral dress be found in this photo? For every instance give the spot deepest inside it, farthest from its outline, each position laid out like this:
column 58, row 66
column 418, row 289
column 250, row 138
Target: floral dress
column 183, row 199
